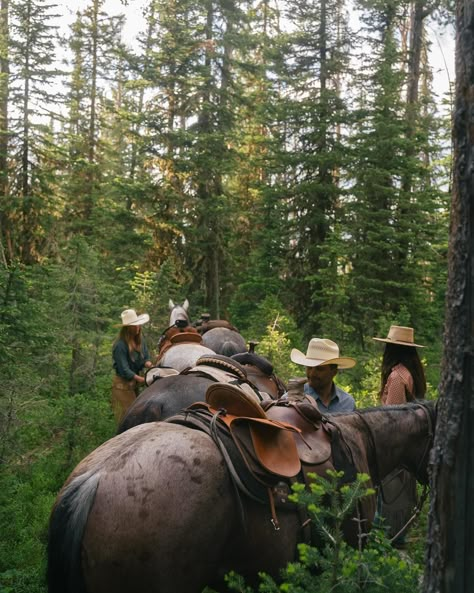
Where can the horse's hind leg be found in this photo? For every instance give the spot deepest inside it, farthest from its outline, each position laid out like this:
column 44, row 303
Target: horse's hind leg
column 161, row 522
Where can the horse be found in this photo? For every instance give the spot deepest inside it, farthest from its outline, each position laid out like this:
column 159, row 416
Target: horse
column 166, row 396
column 224, row 341
column 155, row 508
column 180, row 345
column 178, row 312
column 183, row 356
column 218, row 335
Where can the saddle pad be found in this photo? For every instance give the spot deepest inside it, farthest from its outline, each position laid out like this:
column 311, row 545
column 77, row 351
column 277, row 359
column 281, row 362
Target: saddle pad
column 237, row 401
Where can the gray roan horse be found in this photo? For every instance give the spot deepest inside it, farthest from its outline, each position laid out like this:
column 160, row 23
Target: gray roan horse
column 168, row 395
column 154, row 508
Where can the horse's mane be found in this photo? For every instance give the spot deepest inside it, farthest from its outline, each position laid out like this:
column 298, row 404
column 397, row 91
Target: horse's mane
column 353, row 418
column 428, row 404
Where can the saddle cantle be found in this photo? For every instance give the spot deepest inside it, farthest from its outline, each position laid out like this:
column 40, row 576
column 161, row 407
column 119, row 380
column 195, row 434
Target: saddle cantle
column 224, row 363
column 186, row 337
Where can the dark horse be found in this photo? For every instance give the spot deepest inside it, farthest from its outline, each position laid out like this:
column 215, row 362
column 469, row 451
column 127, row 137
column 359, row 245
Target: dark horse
column 224, row 341
column 154, row 509
column 168, row 395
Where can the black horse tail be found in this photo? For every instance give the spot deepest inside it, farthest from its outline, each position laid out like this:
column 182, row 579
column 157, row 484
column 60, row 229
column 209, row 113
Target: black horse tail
column 66, row 530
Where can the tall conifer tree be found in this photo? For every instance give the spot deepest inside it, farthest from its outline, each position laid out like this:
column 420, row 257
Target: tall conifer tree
column 32, row 74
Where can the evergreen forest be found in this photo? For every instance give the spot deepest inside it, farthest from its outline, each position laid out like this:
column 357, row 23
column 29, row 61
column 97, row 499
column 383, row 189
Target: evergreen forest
column 284, row 165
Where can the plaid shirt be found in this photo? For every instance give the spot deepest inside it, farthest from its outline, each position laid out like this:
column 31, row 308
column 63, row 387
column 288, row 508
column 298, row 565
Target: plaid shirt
column 398, row 385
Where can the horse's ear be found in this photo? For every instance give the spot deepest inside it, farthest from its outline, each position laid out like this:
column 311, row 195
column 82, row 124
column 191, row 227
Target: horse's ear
column 170, row 304
column 186, row 305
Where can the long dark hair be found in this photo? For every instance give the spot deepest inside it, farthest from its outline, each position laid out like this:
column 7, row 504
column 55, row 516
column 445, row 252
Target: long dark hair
column 407, row 356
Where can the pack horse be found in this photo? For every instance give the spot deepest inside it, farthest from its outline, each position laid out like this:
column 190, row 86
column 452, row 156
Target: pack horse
column 154, row 508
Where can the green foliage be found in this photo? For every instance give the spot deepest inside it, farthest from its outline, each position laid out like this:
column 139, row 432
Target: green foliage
column 247, row 168
column 375, row 567
column 50, row 439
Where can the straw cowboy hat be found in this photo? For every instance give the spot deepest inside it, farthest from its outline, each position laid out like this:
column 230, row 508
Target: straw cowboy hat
column 403, row 336
column 321, row 352
column 130, row 317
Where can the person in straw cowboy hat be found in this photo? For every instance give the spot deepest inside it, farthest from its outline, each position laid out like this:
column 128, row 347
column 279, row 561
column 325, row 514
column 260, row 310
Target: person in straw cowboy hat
column 322, row 361
column 130, row 355
column 402, row 380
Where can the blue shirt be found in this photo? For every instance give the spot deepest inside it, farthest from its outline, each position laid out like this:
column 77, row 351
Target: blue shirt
column 340, row 400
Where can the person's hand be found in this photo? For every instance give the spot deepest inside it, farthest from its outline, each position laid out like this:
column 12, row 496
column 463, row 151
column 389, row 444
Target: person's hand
column 148, row 364
column 139, row 379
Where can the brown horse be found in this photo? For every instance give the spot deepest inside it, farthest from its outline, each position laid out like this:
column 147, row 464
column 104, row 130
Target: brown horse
column 154, row 509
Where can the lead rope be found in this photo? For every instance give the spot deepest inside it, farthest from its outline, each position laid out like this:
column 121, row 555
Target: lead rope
column 416, row 512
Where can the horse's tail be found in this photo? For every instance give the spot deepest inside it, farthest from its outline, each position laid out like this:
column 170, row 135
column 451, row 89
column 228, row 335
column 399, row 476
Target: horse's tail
column 66, row 530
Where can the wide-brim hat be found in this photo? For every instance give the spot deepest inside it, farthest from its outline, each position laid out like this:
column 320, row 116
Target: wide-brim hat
column 403, row 336
column 321, row 352
column 130, row 317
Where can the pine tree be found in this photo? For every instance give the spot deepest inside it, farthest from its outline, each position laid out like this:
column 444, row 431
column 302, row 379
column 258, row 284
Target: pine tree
column 32, row 74
column 95, row 46
column 6, row 250
column 391, row 204
column 316, row 57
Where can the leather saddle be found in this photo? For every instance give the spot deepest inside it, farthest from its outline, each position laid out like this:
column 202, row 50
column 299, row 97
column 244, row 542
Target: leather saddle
column 275, row 441
column 313, row 439
column 177, row 335
column 223, row 369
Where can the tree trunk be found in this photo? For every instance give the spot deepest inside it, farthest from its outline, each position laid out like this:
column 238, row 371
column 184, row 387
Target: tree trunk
column 450, row 566
column 6, row 252
column 27, row 239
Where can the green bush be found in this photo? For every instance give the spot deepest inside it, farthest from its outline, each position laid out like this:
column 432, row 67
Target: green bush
column 374, row 567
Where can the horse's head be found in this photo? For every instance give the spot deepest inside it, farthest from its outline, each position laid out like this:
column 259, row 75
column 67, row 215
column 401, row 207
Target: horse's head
column 178, row 312
column 418, row 464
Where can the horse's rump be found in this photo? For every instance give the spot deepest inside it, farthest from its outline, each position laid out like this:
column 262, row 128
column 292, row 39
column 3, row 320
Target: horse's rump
column 223, row 340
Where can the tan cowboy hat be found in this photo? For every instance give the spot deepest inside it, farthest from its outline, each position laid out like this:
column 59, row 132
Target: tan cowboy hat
column 321, row 352
column 403, row 336
column 130, row 317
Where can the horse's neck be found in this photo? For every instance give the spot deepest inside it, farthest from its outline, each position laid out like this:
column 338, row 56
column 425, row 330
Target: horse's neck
column 391, row 438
